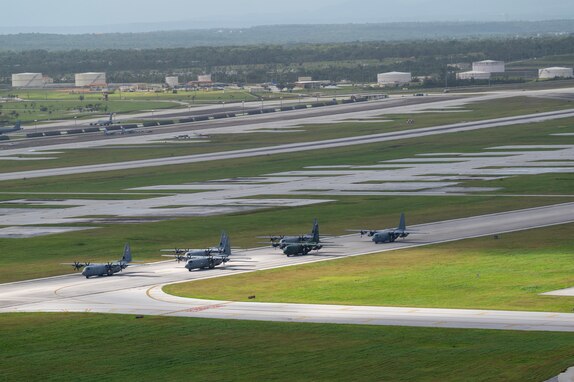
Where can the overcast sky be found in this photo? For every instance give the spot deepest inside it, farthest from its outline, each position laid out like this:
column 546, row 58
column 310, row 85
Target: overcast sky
column 80, row 16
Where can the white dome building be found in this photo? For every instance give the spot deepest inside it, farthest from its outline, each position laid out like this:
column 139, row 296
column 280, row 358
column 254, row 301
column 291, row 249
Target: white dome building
column 489, row 66
column 555, row 72
column 90, row 79
column 27, row 80
column 394, row 78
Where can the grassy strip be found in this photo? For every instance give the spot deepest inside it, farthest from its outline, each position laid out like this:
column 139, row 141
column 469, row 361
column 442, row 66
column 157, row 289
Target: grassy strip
column 81, row 346
column 508, row 273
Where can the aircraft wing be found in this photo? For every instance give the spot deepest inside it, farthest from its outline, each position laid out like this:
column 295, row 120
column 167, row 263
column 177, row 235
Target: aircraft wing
column 363, row 231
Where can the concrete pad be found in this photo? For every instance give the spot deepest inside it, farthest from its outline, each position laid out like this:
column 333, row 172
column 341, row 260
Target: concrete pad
column 560, row 292
column 29, row 231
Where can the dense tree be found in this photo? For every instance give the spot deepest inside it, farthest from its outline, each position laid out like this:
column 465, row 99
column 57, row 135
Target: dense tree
column 358, row 61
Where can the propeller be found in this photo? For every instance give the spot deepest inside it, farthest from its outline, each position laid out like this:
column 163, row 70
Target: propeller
column 77, row 265
column 179, row 258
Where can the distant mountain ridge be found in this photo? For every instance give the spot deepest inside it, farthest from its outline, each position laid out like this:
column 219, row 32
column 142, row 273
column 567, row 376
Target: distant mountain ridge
column 284, row 35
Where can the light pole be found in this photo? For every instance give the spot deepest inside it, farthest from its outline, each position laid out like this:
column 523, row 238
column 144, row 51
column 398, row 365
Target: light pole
column 261, row 103
column 152, row 113
column 75, row 121
column 242, row 107
column 281, row 102
column 35, row 125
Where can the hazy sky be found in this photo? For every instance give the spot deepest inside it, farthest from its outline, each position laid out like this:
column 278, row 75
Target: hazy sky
column 76, row 16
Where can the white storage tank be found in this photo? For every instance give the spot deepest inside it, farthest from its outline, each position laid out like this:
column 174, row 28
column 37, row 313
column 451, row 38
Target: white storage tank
column 488, row 66
column 555, row 72
column 172, row 81
column 394, row 78
column 204, row 78
column 27, row 80
column 90, row 79
column 472, row 75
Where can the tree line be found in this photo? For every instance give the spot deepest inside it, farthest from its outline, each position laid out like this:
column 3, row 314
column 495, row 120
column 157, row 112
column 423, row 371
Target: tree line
column 357, row 61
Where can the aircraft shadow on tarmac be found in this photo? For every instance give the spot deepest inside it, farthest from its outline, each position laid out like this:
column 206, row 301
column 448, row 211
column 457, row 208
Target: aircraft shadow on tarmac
column 139, row 274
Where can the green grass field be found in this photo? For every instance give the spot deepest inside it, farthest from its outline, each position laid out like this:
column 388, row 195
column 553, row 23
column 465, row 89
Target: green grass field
column 482, row 273
column 42, row 105
column 86, row 347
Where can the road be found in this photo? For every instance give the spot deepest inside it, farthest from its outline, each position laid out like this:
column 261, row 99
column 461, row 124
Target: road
column 138, row 289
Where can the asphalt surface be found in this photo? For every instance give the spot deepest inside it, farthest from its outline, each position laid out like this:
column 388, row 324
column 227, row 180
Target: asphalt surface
column 138, row 289
column 291, row 115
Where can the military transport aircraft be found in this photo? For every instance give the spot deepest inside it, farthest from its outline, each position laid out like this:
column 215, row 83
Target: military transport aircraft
column 107, row 269
column 298, row 245
column 16, row 127
column 105, row 122
column 388, row 235
column 207, row 258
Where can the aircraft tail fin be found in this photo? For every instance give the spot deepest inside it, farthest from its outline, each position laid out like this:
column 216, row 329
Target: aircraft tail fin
column 127, row 258
column 225, row 245
column 315, row 231
column 402, row 223
column 18, row 126
column 111, row 117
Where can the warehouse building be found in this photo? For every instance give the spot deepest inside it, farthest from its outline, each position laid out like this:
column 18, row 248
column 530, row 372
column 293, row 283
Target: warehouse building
column 394, row 78
column 27, row 80
column 555, row 72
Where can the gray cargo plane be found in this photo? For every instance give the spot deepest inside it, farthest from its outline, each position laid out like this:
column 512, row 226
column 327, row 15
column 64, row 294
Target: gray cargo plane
column 16, row 127
column 388, row 235
column 298, row 245
column 105, row 122
column 207, row 258
column 107, row 269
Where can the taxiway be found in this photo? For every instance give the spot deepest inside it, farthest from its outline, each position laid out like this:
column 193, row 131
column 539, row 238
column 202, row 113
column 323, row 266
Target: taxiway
column 138, row 289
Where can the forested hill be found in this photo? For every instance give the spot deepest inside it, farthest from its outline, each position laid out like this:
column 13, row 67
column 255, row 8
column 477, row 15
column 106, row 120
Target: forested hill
column 283, row 34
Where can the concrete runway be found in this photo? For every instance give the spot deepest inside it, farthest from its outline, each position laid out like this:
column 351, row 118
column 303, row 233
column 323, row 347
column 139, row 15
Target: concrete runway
column 138, row 289
column 292, row 147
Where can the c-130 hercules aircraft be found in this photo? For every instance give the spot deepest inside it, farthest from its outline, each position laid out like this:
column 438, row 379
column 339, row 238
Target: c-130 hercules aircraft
column 207, row 258
column 106, row 269
column 298, row 245
column 388, row 235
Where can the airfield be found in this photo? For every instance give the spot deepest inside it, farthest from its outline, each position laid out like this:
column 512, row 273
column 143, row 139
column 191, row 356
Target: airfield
column 448, row 173
column 138, row 290
column 426, row 174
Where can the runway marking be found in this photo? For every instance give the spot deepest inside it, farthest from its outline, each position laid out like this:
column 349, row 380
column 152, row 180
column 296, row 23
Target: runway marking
column 197, row 309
